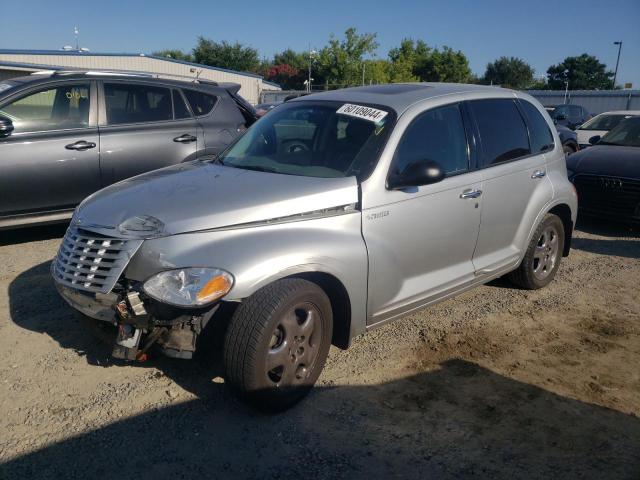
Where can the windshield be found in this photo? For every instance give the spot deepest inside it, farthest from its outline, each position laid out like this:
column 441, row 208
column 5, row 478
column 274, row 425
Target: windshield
column 604, row 122
column 313, row 139
column 626, row 134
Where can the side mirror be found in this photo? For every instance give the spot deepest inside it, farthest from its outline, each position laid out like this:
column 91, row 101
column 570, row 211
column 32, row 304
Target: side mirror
column 423, row 172
column 6, row 126
column 595, row 139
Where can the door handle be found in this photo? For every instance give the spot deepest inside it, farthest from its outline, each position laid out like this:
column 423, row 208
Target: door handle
column 471, row 194
column 80, row 145
column 186, row 138
column 538, row 174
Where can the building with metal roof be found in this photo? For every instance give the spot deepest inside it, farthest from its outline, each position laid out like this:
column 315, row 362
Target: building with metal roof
column 14, row 63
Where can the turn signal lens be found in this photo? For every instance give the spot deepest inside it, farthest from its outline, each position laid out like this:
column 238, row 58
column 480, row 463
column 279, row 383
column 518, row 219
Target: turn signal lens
column 214, row 288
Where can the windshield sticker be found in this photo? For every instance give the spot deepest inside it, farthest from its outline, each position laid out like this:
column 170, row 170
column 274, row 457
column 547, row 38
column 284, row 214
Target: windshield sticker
column 366, row 113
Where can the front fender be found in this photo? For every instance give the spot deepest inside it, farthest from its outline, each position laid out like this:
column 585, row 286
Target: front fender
column 257, row 256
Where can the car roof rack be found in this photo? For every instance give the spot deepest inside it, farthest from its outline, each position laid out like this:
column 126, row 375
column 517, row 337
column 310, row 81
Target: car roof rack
column 124, row 73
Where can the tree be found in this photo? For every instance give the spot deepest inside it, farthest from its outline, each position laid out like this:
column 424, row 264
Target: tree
column 175, row 54
column 509, row 72
column 341, row 62
column 288, row 77
column 226, row 55
column 403, row 61
column 377, row 71
column 413, row 61
column 585, row 72
column 299, row 61
column 446, row 65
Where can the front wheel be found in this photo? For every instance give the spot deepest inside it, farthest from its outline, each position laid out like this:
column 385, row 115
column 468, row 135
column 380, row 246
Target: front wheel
column 542, row 258
column 277, row 343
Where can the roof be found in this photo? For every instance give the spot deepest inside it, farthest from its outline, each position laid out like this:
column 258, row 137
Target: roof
column 176, row 81
column 97, row 54
column 621, row 112
column 398, row 96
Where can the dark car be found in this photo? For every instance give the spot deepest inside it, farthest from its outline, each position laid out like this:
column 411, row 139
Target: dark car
column 569, row 139
column 66, row 135
column 607, row 175
column 568, row 115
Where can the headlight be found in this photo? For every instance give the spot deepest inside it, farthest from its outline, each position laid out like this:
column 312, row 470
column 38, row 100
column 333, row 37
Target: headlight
column 141, row 226
column 189, row 287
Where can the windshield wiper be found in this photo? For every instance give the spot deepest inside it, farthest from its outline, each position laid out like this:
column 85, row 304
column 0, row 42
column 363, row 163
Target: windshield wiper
column 257, row 168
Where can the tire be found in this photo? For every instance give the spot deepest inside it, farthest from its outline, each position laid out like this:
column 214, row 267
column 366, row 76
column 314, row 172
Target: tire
column 542, row 258
column 277, row 343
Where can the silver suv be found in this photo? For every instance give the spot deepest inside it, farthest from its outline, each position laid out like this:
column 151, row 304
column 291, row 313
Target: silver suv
column 332, row 215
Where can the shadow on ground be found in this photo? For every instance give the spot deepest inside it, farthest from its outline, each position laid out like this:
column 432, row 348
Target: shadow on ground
column 622, row 240
column 458, row 420
column 32, row 234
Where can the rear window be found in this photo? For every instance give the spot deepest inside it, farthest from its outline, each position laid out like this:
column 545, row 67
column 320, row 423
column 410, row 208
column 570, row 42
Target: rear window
column 540, row 136
column 201, row 103
column 503, row 133
column 137, row 103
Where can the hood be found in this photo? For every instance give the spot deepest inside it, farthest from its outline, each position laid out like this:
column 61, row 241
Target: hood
column 200, row 195
column 606, row 160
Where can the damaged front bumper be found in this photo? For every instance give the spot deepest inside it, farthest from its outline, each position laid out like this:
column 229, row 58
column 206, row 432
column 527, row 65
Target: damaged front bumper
column 142, row 322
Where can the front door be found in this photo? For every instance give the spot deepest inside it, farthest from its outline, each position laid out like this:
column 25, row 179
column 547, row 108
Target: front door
column 421, row 240
column 51, row 159
column 144, row 127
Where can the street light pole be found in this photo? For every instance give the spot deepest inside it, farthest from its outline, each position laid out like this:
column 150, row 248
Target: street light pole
column 311, row 55
column 615, row 75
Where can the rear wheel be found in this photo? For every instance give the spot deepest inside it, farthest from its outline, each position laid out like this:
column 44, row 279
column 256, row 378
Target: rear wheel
column 277, row 343
column 542, row 258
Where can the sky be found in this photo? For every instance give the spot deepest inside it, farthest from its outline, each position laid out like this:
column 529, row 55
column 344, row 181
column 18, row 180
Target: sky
column 541, row 32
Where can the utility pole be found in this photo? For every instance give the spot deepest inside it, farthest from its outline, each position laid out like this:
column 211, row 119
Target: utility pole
column 615, row 75
column 76, row 32
column 363, row 68
column 312, row 54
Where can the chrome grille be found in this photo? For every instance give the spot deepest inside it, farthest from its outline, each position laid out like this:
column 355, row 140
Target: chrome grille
column 90, row 261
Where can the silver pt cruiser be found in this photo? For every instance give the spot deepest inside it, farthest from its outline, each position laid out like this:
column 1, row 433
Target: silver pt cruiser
column 333, row 214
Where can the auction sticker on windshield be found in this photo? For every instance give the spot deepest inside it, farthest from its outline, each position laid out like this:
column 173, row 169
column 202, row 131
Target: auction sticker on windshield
column 360, row 111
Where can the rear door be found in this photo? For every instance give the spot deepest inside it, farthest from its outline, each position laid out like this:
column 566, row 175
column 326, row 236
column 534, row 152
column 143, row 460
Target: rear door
column 219, row 116
column 514, row 178
column 143, row 127
column 50, row 161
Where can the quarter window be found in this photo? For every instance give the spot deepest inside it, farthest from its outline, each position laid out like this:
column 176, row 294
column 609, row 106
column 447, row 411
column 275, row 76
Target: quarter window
column 201, row 103
column 503, row 133
column 540, row 136
column 61, row 108
column 137, row 103
column 436, row 135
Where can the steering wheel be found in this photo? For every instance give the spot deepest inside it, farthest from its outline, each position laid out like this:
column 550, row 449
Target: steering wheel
column 295, row 146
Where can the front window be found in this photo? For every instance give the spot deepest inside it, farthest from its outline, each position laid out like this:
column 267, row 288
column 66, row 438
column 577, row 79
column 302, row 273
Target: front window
column 604, row 122
column 314, row 139
column 626, row 134
column 59, row 108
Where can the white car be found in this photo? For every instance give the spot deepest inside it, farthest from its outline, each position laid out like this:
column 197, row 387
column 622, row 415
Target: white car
column 601, row 124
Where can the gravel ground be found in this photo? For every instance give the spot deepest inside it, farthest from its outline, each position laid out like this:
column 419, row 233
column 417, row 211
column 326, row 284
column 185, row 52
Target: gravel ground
column 497, row 383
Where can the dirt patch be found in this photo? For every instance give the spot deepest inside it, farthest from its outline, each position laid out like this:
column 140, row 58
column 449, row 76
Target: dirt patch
column 497, row 383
